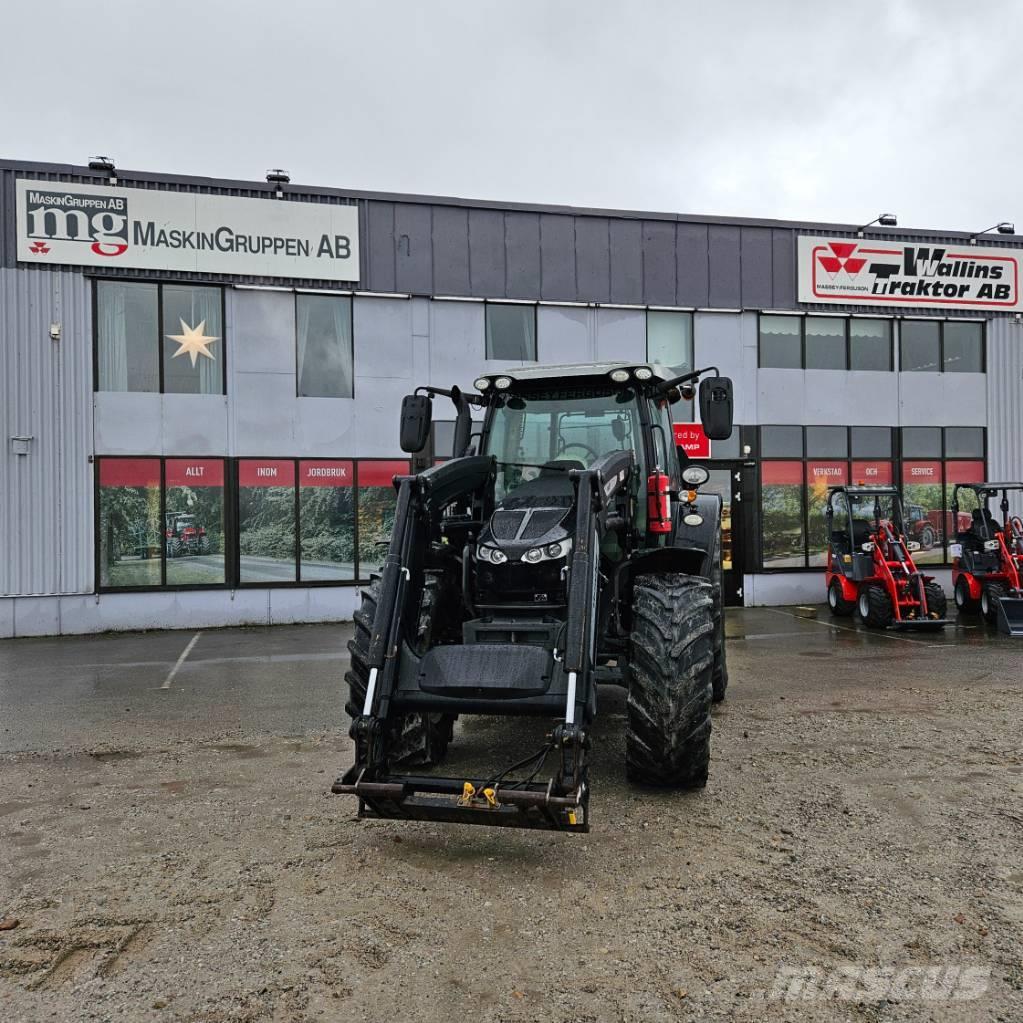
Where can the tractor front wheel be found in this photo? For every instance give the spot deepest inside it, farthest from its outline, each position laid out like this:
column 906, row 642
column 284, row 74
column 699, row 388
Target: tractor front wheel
column 413, row 739
column 990, row 597
column 839, row 606
column 671, row 663
column 875, row 607
column 964, row 602
column 927, row 538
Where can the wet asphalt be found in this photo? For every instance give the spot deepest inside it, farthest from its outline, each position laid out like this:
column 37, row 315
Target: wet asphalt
column 135, row 690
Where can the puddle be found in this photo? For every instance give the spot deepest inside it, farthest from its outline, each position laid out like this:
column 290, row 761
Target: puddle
column 240, row 749
column 6, row 808
column 112, row 756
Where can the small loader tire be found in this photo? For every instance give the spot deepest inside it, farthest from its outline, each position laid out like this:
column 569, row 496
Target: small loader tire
column 937, row 602
column 671, row 662
column 837, row 604
column 875, row 607
column 990, row 597
column 964, row 602
column 414, row 739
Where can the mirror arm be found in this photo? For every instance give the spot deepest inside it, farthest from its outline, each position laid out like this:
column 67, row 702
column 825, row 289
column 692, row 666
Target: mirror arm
column 473, row 399
column 686, row 378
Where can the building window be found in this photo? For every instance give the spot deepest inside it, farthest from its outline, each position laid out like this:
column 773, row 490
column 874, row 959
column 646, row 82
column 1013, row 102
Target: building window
column 870, row 345
column 781, row 344
column 511, row 332
column 825, row 342
column 377, row 502
column 193, row 521
column 266, row 521
column 950, row 346
column 669, row 339
column 325, row 350
column 327, row 520
column 159, row 337
column 800, row 463
column 130, row 538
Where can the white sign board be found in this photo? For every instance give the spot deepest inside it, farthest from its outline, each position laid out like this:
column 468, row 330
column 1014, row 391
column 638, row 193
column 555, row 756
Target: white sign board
column 913, row 275
column 89, row 225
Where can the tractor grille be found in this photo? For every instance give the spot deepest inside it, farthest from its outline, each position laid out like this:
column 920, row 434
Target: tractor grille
column 505, row 524
column 542, row 521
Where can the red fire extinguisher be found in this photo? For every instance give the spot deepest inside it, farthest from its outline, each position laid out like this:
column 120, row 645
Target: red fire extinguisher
column 658, row 503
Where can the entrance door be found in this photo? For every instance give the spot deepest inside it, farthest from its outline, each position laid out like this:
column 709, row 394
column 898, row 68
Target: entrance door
column 726, row 480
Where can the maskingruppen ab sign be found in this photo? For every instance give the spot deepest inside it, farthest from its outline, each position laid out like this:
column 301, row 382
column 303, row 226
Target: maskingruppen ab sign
column 88, row 225
column 908, row 274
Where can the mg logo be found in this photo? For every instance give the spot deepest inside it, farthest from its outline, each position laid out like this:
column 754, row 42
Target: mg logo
column 101, row 222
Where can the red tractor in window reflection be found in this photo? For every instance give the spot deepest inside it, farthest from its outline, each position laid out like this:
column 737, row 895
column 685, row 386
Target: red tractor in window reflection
column 987, row 566
column 870, row 565
column 184, row 535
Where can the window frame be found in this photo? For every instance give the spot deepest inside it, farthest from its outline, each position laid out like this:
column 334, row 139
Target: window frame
column 982, row 323
column 847, row 320
column 350, row 299
column 534, row 306
column 896, row 460
column 160, row 283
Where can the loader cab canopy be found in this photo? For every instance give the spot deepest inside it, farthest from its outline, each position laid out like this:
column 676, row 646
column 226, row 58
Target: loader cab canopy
column 853, row 513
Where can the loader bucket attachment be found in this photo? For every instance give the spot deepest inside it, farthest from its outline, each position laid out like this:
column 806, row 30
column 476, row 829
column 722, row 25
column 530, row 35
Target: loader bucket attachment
column 1010, row 616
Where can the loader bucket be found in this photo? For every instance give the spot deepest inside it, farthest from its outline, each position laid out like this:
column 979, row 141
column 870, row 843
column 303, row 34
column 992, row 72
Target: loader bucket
column 920, row 624
column 1010, row 616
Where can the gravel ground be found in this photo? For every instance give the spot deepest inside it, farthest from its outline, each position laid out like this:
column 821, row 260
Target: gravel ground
column 863, row 814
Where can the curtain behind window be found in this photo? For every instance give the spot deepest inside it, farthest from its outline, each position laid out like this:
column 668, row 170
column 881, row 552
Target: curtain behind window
column 324, row 335
column 126, row 335
column 194, row 306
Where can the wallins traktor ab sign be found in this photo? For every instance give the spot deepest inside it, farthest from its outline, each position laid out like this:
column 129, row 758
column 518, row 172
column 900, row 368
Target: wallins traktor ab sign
column 86, row 225
column 913, row 274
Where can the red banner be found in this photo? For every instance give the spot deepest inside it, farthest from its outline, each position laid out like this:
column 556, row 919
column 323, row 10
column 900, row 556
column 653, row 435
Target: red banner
column 129, row 472
column 195, row 472
column 325, row 474
column 827, row 474
column 381, row 474
column 964, row 472
column 869, row 473
column 774, row 473
column 692, row 440
column 270, row 472
column 921, row 473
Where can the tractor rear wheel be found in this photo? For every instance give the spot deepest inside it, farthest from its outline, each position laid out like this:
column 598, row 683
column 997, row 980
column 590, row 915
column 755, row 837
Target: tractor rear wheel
column 875, row 606
column 964, row 602
column 719, row 677
column 173, row 547
column 937, row 602
column 414, row 739
column 838, row 605
column 927, row 538
column 671, row 663
column 990, row 597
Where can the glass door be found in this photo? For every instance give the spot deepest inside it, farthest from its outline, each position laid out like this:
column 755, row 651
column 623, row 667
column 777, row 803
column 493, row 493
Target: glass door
column 726, row 480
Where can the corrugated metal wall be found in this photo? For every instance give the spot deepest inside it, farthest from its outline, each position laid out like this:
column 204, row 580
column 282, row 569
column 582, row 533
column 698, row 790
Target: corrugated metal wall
column 46, row 494
column 1005, row 401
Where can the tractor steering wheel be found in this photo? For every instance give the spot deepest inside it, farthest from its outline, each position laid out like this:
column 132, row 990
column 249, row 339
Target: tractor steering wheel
column 579, row 444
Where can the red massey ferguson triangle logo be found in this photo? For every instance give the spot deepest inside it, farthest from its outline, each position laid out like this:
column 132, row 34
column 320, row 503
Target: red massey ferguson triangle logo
column 842, row 259
column 39, row 247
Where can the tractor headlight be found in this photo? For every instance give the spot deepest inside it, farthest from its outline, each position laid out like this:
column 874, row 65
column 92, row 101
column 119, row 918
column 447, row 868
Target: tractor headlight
column 619, row 376
column 503, row 383
column 552, row 552
column 491, row 555
column 481, row 383
column 533, row 555
column 643, row 373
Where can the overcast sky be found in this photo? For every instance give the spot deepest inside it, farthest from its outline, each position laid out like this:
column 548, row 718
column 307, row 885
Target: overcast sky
column 822, row 110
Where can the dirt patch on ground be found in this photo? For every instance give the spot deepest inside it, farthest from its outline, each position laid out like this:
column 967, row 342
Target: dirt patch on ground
column 853, row 823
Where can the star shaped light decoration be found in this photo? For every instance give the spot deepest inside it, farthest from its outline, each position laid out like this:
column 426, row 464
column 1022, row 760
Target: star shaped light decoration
column 193, row 341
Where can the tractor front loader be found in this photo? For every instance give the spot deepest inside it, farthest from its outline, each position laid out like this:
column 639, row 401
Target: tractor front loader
column 567, row 545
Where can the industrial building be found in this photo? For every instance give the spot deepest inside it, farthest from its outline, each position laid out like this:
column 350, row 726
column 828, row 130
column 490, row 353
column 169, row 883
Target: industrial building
column 202, row 377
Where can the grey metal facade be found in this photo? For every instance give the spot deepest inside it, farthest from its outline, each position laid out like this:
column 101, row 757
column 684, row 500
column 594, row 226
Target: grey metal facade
column 594, row 273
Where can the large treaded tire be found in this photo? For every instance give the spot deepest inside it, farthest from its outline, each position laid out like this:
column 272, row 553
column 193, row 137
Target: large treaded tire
column 990, row 597
column 671, row 662
column 414, row 739
column 875, row 607
column 719, row 676
column 937, row 602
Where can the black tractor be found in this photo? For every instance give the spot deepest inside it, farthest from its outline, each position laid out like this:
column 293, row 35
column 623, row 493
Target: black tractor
column 564, row 544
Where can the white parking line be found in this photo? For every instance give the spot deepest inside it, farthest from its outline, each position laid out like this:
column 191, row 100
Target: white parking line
column 852, row 628
column 181, row 660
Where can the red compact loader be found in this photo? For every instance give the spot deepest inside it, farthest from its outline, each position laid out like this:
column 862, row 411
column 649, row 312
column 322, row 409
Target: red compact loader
column 870, row 564
column 987, row 566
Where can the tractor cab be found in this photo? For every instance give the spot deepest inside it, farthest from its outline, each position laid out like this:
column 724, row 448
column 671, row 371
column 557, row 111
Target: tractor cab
column 987, row 557
column 870, row 566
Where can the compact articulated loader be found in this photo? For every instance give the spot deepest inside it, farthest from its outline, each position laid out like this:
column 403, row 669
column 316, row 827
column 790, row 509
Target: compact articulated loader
column 987, row 565
column 565, row 544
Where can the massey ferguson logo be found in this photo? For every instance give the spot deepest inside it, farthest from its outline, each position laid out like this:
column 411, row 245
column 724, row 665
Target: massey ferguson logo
column 101, row 222
column 904, row 274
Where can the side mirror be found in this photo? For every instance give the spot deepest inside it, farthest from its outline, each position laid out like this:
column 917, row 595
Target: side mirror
column 416, row 416
column 716, row 407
